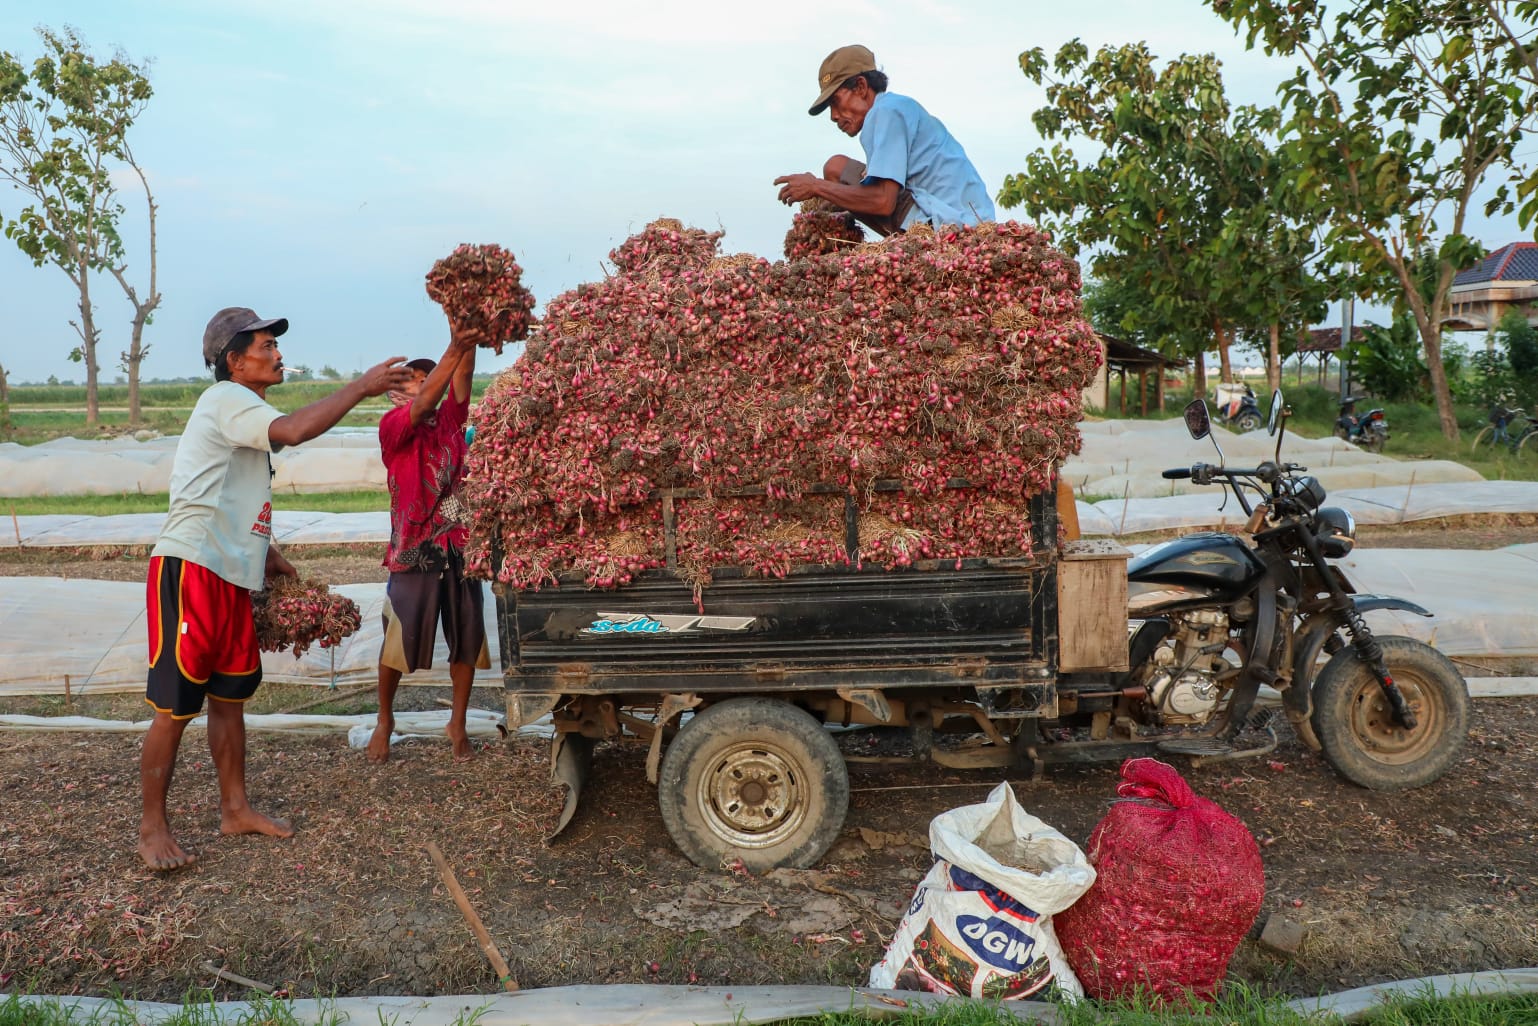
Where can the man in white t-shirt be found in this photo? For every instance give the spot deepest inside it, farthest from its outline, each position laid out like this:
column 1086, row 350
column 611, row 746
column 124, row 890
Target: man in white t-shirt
column 914, row 169
column 214, row 550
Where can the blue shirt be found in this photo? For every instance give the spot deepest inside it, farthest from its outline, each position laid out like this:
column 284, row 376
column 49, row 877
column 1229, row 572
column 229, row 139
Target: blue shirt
column 907, row 144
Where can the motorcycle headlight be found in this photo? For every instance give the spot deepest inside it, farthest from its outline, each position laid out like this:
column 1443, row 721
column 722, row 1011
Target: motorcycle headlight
column 1337, row 531
column 1306, row 491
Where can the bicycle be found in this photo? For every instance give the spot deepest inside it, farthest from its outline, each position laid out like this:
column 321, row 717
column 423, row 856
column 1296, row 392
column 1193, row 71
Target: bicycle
column 1509, row 426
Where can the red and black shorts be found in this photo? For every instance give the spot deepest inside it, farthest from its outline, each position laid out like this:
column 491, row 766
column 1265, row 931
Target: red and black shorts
column 202, row 638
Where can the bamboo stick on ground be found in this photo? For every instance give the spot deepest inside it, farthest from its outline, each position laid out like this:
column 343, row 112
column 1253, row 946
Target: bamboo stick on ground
column 498, row 964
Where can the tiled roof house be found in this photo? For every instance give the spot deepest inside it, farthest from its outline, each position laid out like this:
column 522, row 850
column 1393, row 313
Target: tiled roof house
column 1506, row 279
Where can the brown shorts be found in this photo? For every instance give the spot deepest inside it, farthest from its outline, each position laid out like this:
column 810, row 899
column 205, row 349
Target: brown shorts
column 414, row 603
column 883, row 225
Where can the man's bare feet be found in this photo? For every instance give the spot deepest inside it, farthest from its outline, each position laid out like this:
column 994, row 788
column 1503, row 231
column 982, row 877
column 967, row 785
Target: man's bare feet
column 463, row 750
column 160, row 851
column 249, row 821
column 379, row 743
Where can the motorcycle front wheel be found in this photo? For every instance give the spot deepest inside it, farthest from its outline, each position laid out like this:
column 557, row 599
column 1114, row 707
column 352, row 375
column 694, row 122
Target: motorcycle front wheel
column 1356, row 727
column 1248, row 422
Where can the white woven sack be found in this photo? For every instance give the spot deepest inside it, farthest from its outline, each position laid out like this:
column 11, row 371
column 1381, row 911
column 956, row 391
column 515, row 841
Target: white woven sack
column 980, row 923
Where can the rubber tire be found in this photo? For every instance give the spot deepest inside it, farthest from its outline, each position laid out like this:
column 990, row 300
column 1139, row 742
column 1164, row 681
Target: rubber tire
column 1349, row 703
column 1248, row 422
column 1482, row 438
column 1372, row 441
column 756, row 735
column 1526, row 442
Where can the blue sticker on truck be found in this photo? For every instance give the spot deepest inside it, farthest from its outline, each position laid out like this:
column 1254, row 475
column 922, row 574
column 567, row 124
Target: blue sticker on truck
column 662, row 623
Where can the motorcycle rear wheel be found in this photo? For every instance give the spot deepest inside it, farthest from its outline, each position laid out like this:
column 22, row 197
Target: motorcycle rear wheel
column 1355, row 724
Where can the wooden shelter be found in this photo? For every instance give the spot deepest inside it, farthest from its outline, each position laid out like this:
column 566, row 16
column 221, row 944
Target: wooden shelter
column 1122, row 358
column 1321, row 345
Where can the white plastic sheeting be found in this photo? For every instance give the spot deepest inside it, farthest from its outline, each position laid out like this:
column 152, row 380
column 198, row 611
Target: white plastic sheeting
column 340, row 460
column 634, row 1004
column 94, row 632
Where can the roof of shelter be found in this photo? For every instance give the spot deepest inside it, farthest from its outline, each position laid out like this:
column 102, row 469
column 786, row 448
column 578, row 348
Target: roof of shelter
column 1119, row 353
column 1517, row 261
column 1327, row 340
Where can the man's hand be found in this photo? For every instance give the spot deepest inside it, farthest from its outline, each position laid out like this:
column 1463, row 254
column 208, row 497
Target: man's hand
column 277, row 566
column 466, row 339
column 797, row 188
column 382, row 377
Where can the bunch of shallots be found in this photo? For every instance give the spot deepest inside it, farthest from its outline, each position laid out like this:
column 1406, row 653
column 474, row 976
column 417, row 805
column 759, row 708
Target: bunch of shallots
column 926, row 359
column 479, row 288
column 819, row 228
column 295, row 614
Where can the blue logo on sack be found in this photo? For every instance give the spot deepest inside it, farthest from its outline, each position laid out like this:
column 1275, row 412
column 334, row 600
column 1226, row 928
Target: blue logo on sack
column 996, row 942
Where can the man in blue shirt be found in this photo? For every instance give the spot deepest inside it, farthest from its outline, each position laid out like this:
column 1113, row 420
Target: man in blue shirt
column 914, row 170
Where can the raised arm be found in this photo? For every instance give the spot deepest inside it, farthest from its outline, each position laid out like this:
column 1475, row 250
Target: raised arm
column 455, row 368
column 313, row 420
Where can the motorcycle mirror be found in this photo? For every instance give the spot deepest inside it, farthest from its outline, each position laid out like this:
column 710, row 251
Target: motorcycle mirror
column 1275, row 418
column 1198, row 420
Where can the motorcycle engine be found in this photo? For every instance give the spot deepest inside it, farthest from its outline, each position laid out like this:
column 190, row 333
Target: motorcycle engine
column 1181, row 680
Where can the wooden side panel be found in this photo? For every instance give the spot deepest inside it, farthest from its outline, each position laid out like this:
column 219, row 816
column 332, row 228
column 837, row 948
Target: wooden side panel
column 1092, row 606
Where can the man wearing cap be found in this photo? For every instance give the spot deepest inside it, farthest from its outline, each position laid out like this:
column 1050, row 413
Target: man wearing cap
column 914, row 169
column 214, row 549
column 422, row 442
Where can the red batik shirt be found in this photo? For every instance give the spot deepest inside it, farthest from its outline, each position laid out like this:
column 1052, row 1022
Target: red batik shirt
column 424, row 464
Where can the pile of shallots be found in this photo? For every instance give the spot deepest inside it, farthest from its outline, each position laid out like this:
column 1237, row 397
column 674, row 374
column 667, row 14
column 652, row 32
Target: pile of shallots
column 480, row 288
column 927, row 359
column 295, row 614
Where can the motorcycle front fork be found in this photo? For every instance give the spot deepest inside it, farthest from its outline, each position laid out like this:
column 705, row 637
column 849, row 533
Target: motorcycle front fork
column 1371, row 653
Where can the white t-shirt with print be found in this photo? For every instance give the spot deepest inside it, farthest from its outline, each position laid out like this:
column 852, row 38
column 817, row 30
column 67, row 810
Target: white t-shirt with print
column 221, row 486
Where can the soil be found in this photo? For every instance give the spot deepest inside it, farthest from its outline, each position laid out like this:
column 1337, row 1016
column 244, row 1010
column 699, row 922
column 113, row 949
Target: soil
column 1383, row 885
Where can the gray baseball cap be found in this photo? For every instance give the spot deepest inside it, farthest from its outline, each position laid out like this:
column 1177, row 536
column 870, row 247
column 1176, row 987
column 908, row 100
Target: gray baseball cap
column 231, row 321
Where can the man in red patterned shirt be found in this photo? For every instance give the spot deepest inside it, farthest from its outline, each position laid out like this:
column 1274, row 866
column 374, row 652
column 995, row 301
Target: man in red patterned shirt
column 422, row 443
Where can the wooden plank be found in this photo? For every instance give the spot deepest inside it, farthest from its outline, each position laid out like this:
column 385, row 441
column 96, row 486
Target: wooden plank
column 1092, row 606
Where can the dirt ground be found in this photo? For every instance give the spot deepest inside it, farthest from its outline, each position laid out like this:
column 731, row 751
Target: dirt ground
column 1385, row 886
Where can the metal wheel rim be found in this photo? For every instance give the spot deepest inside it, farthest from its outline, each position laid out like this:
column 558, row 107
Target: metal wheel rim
column 1373, row 726
column 752, row 795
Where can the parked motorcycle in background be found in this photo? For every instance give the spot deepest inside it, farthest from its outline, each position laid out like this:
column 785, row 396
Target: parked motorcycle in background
column 1369, row 431
column 1238, row 410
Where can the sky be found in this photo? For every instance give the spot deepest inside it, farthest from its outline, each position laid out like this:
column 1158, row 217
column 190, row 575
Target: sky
column 311, row 159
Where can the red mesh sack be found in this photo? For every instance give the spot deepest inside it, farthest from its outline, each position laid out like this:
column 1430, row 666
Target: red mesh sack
column 1178, row 885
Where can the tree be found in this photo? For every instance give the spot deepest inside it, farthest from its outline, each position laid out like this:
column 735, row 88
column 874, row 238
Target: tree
column 1176, row 207
column 63, row 131
column 1399, row 111
column 5, row 404
column 1520, row 341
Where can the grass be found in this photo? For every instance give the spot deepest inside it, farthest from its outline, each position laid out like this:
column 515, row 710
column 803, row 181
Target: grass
column 1239, row 1008
column 159, row 502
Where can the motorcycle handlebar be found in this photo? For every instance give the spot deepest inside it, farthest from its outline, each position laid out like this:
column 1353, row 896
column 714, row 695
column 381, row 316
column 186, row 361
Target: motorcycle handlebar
column 1177, row 474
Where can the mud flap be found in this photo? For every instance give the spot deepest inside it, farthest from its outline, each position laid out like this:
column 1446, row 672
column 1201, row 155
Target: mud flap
column 571, row 755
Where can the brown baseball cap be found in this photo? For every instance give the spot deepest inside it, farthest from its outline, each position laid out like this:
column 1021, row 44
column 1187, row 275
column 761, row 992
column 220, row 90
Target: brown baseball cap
column 837, row 68
column 422, row 364
column 231, row 321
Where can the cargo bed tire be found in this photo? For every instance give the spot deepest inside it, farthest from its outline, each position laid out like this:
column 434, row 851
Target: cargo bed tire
column 754, row 779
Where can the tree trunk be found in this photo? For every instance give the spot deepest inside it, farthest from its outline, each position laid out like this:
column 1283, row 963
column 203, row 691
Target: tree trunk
column 1431, row 339
column 88, row 353
column 132, row 361
column 1274, row 358
column 1225, row 370
column 1199, row 375
column 5, row 405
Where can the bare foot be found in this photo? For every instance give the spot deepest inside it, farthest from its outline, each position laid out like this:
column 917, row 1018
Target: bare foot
column 379, row 742
column 249, row 821
column 160, row 851
column 463, row 750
